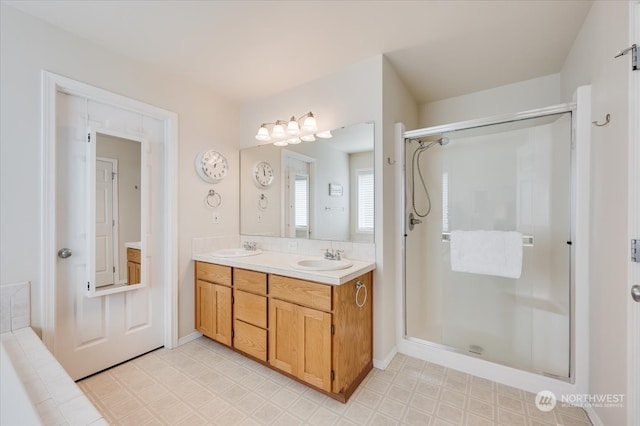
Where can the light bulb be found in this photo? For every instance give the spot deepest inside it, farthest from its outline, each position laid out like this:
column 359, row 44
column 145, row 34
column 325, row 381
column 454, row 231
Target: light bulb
column 309, row 124
column 308, row 138
column 293, row 128
column 278, row 131
column 324, row 135
column 263, row 134
column 294, row 141
column 281, row 143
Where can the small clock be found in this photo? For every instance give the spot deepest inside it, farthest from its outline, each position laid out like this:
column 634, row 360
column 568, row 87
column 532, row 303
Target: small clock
column 211, row 166
column 263, row 174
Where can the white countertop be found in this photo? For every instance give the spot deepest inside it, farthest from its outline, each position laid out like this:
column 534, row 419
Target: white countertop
column 272, row 262
column 134, row 245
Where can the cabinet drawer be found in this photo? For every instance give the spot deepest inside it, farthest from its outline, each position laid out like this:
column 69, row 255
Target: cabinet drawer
column 302, row 292
column 250, row 308
column 250, row 281
column 213, row 273
column 133, row 255
column 250, row 339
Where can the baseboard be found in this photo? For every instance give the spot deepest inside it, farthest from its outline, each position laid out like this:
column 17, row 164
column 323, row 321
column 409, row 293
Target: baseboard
column 593, row 416
column 384, row 363
column 188, row 338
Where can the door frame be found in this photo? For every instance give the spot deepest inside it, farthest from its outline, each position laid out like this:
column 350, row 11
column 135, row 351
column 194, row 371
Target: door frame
column 633, row 310
column 51, row 85
column 284, row 160
column 115, row 216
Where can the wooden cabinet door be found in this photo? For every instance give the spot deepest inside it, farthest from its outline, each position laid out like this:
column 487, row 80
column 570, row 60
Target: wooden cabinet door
column 213, row 311
column 204, row 308
column 283, row 336
column 222, row 314
column 300, row 342
column 131, row 273
column 314, row 347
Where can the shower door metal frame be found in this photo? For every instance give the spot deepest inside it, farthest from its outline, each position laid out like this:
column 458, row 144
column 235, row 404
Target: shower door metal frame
column 484, row 122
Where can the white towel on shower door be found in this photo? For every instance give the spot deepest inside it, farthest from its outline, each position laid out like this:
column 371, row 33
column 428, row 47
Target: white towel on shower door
column 496, row 253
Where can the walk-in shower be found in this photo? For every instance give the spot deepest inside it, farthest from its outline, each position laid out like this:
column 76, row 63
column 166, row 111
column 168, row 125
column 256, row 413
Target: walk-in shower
column 488, row 239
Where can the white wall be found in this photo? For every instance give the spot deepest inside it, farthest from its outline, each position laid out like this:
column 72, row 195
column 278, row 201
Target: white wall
column 522, row 96
column 591, row 61
column 28, row 46
column 399, row 106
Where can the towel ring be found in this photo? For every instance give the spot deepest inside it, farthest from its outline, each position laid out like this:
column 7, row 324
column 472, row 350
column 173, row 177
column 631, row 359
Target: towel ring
column 213, row 199
column 359, row 286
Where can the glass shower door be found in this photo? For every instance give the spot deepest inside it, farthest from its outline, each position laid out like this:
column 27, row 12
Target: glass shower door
column 497, row 182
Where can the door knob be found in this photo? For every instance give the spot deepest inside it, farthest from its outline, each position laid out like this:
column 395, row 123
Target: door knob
column 635, row 293
column 63, row 253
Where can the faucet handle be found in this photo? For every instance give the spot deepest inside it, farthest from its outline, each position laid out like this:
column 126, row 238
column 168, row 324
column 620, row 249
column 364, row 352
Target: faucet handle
column 249, row 245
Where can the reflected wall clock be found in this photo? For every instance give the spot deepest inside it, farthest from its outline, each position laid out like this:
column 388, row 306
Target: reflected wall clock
column 263, row 174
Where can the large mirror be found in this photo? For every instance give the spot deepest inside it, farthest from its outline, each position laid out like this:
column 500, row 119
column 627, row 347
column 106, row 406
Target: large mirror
column 322, row 190
column 117, row 214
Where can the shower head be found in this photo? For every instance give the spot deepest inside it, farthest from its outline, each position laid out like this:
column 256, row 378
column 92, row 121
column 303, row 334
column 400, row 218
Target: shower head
column 443, row 141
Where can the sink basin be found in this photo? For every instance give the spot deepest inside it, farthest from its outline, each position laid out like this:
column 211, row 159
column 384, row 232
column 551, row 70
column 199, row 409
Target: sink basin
column 235, row 252
column 321, row 264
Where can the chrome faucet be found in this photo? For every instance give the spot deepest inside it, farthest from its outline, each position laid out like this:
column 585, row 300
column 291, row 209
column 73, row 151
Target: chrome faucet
column 332, row 254
column 249, row 245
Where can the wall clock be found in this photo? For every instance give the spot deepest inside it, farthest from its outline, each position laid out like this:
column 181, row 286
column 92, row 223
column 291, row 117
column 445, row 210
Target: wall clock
column 263, row 174
column 211, row 166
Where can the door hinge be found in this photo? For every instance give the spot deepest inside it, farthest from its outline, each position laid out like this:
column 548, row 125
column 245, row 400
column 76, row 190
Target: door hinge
column 113, row 175
column 88, row 286
column 634, row 56
column 114, row 269
column 233, row 334
column 88, row 137
column 635, row 250
column 233, row 300
column 333, row 375
column 333, row 329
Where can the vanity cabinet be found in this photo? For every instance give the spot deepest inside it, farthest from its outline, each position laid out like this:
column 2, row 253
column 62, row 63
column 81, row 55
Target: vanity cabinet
column 134, row 260
column 319, row 334
column 213, row 302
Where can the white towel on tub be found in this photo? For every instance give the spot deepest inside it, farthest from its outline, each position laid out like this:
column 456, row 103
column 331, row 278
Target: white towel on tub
column 496, row 253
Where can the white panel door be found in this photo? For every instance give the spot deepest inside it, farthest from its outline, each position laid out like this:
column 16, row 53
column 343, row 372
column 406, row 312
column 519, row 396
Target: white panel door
column 94, row 333
column 105, row 270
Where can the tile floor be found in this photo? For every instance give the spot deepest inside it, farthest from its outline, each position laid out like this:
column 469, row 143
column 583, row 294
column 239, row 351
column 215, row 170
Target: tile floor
column 203, row 382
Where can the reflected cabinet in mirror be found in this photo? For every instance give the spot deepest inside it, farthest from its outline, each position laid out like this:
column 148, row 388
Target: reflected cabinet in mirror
column 323, row 190
column 117, row 214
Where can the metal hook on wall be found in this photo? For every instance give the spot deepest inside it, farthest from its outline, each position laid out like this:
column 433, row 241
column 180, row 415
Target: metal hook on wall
column 389, row 162
column 607, row 120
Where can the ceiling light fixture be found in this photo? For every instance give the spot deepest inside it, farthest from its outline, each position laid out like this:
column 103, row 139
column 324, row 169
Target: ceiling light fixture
column 285, row 132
